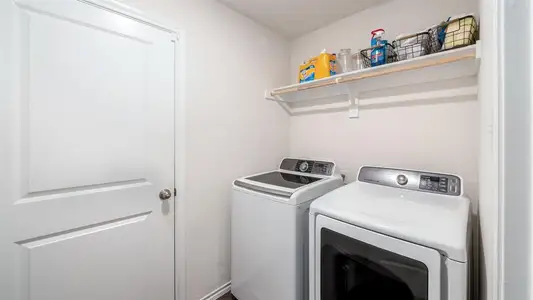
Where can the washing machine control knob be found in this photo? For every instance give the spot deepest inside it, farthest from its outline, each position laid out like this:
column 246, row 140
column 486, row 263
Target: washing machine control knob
column 401, row 179
column 304, row 166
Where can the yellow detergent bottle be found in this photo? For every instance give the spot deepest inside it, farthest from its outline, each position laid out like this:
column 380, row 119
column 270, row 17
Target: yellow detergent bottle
column 322, row 66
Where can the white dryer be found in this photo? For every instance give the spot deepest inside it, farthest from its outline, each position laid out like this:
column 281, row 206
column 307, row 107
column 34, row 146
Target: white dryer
column 269, row 227
column 393, row 234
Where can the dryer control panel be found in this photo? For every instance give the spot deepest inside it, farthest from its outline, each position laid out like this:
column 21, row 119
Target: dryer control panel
column 412, row 180
column 308, row 166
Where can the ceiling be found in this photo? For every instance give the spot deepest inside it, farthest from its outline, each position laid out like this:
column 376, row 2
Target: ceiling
column 294, row 18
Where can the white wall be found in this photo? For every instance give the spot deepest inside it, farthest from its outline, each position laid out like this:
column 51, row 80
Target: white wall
column 417, row 137
column 230, row 130
column 436, row 136
column 442, row 137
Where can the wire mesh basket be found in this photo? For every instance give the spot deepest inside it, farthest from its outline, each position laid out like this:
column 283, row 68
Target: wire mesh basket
column 371, row 58
column 415, row 45
column 459, row 32
column 437, row 36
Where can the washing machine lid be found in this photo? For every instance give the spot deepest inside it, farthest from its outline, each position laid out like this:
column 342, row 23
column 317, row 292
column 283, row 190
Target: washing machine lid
column 276, row 183
column 296, row 181
column 433, row 220
column 283, row 179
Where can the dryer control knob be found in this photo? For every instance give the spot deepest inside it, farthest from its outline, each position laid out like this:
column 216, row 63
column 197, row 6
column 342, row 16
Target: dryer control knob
column 401, row 179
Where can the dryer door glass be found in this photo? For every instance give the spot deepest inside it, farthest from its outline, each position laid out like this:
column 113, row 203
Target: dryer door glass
column 351, row 269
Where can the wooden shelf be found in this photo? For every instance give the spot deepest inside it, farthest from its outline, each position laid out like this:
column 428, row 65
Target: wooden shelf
column 442, row 75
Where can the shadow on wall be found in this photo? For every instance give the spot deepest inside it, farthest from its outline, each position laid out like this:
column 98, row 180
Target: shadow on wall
column 403, row 96
column 477, row 260
column 409, row 103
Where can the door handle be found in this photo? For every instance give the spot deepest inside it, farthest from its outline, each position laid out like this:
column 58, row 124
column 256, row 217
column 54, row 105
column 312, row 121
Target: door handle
column 165, row 194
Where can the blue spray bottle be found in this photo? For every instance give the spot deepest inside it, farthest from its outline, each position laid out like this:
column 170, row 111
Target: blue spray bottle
column 378, row 56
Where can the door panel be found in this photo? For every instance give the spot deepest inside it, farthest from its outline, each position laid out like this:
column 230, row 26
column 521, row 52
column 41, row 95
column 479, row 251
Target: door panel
column 94, row 272
column 106, row 138
column 88, row 125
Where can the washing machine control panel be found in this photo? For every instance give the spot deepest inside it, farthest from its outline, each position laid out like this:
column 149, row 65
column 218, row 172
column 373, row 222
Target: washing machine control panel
column 308, row 166
column 412, row 180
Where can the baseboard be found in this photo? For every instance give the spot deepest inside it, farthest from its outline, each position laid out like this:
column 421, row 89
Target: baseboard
column 221, row 291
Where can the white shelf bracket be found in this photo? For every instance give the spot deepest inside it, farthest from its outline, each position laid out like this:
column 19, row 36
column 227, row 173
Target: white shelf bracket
column 279, row 100
column 268, row 96
column 353, row 98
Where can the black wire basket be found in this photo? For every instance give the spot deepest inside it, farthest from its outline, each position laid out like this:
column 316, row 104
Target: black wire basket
column 415, row 45
column 370, row 61
column 458, row 33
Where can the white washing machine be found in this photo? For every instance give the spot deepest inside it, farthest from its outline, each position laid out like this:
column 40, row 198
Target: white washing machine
column 393, row 234
column 269, row 227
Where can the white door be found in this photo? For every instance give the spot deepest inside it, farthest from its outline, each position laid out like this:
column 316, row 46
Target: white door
column 87, row 144
column 374, row 263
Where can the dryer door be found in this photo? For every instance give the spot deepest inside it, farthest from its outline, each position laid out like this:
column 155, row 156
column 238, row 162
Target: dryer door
column 355, row 263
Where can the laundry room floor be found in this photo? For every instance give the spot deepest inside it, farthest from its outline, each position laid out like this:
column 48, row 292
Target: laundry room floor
column 228, row 296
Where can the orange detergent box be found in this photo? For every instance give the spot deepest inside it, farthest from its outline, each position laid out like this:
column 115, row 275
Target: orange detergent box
column 322, row 66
